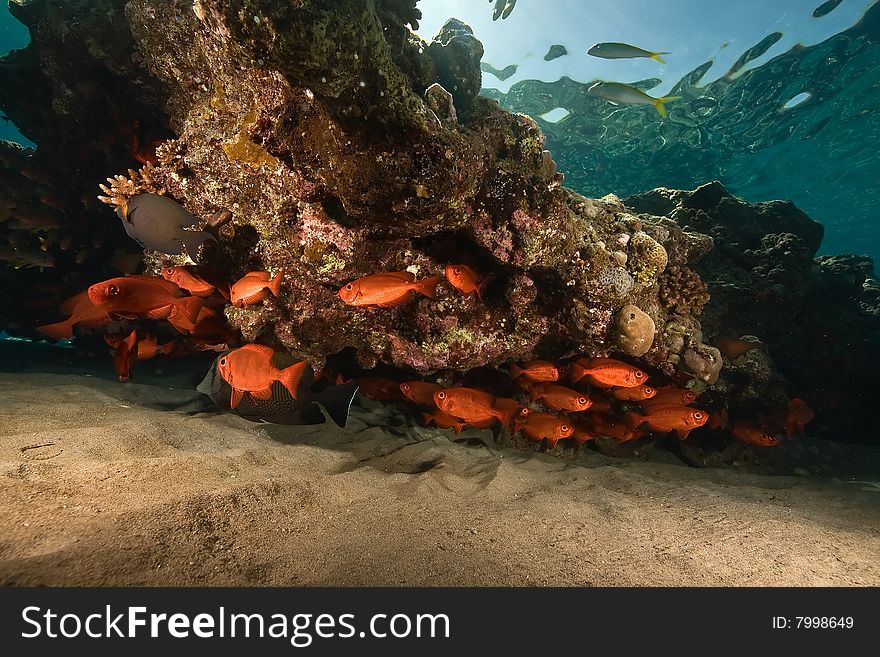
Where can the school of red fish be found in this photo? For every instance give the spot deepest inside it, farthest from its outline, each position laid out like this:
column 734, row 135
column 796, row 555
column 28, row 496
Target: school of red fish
column 578, row 400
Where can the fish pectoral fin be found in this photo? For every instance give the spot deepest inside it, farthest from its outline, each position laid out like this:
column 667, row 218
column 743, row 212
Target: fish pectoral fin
column 263, row 395
column 235, row 398
column 160, row 313
column 682, row 433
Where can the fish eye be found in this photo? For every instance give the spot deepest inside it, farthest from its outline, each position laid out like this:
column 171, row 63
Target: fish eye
column 563, row 427
column 441, row 395
column 223, row 361
column 349, row 286
column 169, row 270
column 582, row 400
column 113, row 290
column 639, row 374
column 406, row 387
column 698, row 416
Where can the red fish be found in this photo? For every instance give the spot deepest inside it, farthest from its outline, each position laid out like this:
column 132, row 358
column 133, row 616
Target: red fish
column 254, row 287
column 544, row 425
column 387, row 290
column 581, row 434
column 125, row 355
column 82, row 312
column 469, row 404
column 379, row 389
column 146, row 296
column 420, row 392
column 463, row 279
column 250, row 369
column 639, row 393
column 443, row 420
column 147, row 347
column 604, row 425
column 560, row 398
column 734, row 347
column 189, row 280
column 607, row 373
column 514, row 414
column 537, row 371
column 671, row 417
column 670, row 395
column 797, row 416
column 752, row 435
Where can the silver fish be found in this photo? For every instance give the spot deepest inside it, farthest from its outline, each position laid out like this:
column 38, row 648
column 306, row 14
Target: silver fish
column 502, row 8
column 626, row 94
column 614, row 50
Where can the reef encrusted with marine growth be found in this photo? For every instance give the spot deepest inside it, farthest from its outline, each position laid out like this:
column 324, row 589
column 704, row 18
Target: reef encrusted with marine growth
column 344, row 145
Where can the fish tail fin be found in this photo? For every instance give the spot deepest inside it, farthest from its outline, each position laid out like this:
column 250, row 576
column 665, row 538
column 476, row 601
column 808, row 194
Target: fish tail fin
column 577, row 372
column 534, row 394
column 660, row 104
column 60, row 331
column 428, row 287
column 290, row 377
column 193, row 242
column 337, row 400
column 479, row 290
column 657, row 58
column 515, row 371
column 634, row 420
column 427, row 419
column 275, row 284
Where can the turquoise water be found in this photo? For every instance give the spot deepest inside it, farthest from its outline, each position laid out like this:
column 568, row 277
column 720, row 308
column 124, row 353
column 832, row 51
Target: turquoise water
column 737, row 121
column 737, row 126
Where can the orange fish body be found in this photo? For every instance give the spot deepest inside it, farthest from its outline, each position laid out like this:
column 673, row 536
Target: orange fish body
column 469, row 404
column 82, row 312
column 608, row 373
column 797, row 416
column 379, row 389
column 125, row 355
column 254, row 287
column 387, row 290
column 146, row 296
column 751, row 435
column 638, row 393
column 149, row 347
column 581, row 433
column 420, row 392
column 671, row 417
column 734, row 347
column 617, row 429
column 544, row 425
column 537, row 371
column 514, row 414
column 560, row 398
column 443, row 420
column 463, row 279
column 681, row 396
column 195, row 284
column 250, row 369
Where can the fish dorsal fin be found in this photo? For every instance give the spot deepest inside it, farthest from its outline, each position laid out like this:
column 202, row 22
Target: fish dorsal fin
column 402, row 276
column 259, row 349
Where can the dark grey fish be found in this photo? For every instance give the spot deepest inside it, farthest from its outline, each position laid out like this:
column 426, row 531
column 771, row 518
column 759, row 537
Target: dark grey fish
column 282, row 408
column 755, row 51
column 502, row 74
column 502, row 8
column 157, row 223
column 826, row 8
column 556, row 51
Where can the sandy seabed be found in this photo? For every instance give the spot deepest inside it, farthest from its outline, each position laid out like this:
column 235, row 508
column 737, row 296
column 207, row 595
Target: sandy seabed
column 110, row 484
